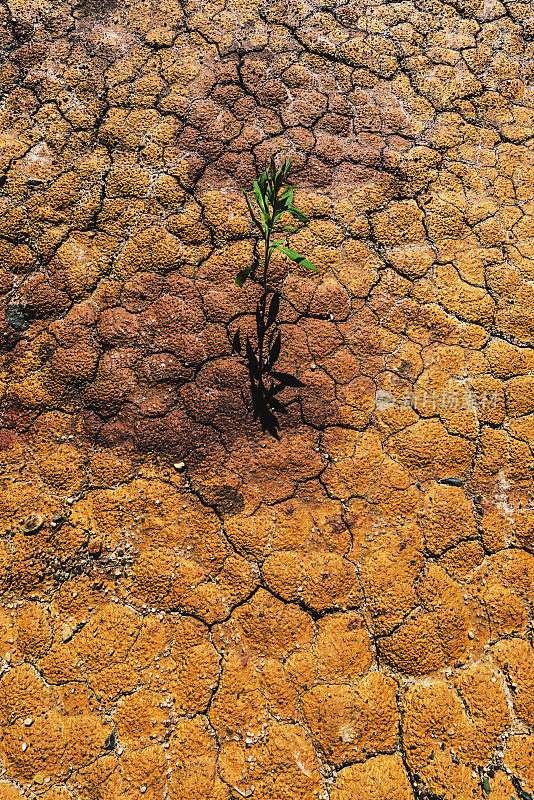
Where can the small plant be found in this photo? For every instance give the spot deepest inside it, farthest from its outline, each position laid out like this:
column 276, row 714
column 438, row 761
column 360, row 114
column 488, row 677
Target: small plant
column 274, row 197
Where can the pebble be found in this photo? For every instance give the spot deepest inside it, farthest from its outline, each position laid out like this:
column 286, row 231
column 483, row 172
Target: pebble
column 111, row 741
column 32, row 523
column 95, row 547
column 67, row 632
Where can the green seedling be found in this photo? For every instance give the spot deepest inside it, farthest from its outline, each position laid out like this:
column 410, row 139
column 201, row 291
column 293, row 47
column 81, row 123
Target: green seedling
column 274, row 197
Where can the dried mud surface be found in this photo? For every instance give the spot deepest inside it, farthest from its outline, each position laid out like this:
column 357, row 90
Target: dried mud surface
column 190, row 609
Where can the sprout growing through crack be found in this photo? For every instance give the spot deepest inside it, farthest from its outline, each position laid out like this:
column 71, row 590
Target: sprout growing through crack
column 274, row 197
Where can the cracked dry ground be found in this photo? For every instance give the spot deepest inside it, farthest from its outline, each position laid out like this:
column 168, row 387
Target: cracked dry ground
column 319, row 617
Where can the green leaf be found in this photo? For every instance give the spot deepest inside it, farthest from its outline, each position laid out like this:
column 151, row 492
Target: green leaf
column 283, row 204
column 288, row 194
column 252, row 213
column 262, row 195
column 282, row 172
column 262, row 180
column 281, row 175
column 287, row 166
column 242, row 275
column 298, row 259
column 298, row 214
column 258, row 194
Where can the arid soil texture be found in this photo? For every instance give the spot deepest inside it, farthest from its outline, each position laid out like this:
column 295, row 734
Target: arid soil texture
column 190, row 609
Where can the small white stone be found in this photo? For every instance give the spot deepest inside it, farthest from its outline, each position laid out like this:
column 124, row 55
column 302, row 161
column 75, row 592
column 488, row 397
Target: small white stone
column 67, row 632
column 24, row 746
column 28, row 721
column 180, row 465
column 142, row 789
